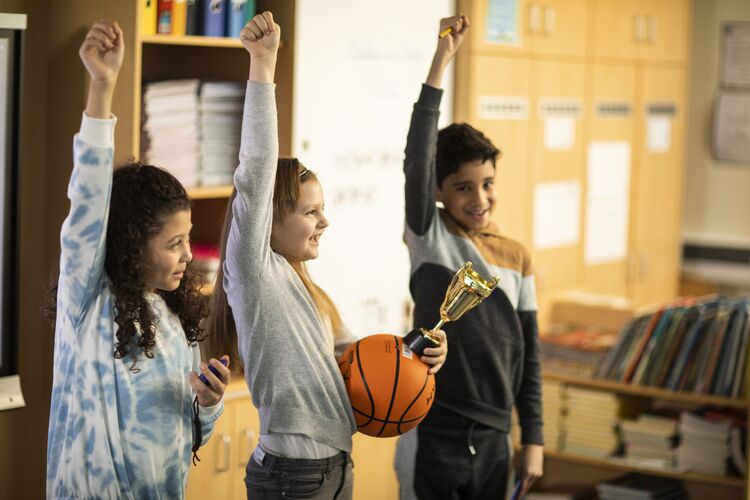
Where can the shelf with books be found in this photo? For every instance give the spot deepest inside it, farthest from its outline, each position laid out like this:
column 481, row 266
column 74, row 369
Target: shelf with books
column 625, row 465
column 645, row 391
column 193, row 41
column 209, row 192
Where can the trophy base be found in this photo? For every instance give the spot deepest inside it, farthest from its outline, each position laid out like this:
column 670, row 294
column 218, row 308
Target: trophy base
column 420, row 339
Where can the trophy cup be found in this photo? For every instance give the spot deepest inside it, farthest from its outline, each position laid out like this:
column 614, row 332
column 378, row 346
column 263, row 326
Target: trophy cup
column 466, row 291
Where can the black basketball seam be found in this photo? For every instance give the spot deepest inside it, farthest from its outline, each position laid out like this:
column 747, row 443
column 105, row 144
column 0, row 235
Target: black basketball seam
column 367, row 388
column 395, row 386
column 427, row 378
column 389, row 421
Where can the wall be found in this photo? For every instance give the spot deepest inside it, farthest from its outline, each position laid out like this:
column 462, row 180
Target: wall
column 716, row 203
column 23, row 432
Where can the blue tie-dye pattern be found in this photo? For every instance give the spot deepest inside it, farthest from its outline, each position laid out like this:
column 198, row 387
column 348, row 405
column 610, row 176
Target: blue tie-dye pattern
column 112, row 433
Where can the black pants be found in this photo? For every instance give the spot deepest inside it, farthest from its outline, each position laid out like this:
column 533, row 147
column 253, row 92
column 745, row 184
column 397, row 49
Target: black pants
column 447, row 469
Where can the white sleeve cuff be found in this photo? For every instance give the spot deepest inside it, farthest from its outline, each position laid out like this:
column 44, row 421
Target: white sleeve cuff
column 206, row 412
column 97, row 131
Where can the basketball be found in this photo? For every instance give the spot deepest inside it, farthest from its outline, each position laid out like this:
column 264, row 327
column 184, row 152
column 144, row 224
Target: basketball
column 389, row 387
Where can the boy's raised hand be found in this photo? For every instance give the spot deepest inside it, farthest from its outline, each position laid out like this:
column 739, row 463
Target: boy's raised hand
column 261, row 36
column 102, row 52
column 450, row 43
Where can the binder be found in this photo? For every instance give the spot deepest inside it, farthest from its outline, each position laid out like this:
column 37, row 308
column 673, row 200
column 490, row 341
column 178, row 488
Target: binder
column 192, row 18
column 164, row 17
column 179, row 13
column 235, row 17
column 148, row 17
column 213, row 17
column 250, row 11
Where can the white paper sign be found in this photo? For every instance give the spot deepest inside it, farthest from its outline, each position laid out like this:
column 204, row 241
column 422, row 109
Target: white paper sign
column 732, row 127
column 557, row 214
column 559, row 133
column 659, row 133
column 735, row 57
column 607, row 202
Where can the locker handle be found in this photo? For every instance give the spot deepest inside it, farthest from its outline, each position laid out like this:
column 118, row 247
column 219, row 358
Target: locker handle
column 639, row 26
column 535, row 14
column 223, row 453
column 248, row 437
column 643, row 265
column 650, row 29
column 549, row 20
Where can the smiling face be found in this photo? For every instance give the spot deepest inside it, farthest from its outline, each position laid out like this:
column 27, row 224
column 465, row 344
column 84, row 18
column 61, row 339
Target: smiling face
column 296, row 234
column 168, row 253
column 469, row 194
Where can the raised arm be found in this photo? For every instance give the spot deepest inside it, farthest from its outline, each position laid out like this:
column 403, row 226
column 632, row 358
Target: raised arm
column 249, row 241
column 82, row 237
column 421, row 142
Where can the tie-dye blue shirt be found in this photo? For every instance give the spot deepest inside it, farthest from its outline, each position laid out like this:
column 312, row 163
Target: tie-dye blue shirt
column 113, row 432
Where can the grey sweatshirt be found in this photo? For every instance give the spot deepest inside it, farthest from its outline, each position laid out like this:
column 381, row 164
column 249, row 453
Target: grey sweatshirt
column 290, row 367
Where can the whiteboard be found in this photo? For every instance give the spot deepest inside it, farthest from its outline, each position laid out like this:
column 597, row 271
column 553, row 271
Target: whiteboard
column 358, row 70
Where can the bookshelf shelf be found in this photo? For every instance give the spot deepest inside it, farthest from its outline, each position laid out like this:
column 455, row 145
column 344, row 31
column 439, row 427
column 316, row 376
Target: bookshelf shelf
column 194, row 41
column 209, row 192
column 619, row 464
column 649, row 392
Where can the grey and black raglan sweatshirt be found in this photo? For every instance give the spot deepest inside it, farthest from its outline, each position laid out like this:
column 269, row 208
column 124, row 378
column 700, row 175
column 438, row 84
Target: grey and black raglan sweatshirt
column 493, row 362
column 290, row 366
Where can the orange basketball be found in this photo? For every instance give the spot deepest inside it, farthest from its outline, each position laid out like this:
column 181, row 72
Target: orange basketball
column 389, row 387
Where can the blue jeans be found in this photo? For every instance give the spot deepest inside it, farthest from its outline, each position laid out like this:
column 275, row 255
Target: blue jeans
column 270, row 477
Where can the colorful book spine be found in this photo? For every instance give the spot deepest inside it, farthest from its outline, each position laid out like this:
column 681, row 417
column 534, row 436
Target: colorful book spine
column 235, row 17
column 148, row 17
column 164, row 17
column 192, row 18
column 213, row 17
column 179, row 15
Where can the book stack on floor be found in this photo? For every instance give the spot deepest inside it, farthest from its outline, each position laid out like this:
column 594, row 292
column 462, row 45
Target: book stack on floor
column 641, row 487
column 590, row 423
column 650, row 440
column 170, row 134
column 698, row 347
column 221, row 106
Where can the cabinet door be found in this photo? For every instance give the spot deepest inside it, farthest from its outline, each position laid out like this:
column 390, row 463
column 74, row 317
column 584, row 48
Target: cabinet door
column 212, row 477
column 556, row 166
column 610, row 118
column 658, row 185
column 246, row 434
column 559, row 27
column 502, row 29
column 666, row 30
column 499, row 107
column 374, row 472
column 619, row 28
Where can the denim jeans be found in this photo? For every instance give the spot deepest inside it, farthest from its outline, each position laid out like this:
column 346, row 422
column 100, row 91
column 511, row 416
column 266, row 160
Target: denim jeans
column 270, row 477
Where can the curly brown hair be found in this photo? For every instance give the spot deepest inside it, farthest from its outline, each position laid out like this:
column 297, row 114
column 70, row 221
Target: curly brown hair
column 142, row 197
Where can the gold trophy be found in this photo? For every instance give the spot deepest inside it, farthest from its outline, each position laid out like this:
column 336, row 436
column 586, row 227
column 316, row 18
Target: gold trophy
column 466, row 291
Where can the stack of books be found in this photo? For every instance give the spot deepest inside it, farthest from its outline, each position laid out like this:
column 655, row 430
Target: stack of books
column 704, row 444
column 170, row 134
column 650, row 440
column 698, row 347
column 553, row 406
column 590, row 423
column 578, row 351
column 221, row 106
column 641, row 487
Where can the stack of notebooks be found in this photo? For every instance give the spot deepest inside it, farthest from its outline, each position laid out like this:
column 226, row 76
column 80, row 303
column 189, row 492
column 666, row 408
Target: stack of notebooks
column 641, row 487
column 704, row 444
column 170, row 133
column 553, row 406
column 698, row 347
column 221, row 126
column 590, row 423
column 650, row 440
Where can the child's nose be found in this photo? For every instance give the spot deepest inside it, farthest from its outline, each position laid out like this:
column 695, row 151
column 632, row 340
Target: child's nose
column 323, row 222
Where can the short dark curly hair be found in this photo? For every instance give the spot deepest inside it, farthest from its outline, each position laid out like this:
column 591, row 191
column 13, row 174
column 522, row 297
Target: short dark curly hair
column 461, row 143
column 142, row 196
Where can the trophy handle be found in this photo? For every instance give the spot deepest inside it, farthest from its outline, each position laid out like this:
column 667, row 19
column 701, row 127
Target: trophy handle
column 420, row 339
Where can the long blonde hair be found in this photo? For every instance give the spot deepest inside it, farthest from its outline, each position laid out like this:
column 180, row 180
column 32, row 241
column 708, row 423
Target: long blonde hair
column 220, row 327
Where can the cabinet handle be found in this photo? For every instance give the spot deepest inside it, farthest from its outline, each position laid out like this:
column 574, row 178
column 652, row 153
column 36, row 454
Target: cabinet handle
column 223, row 453
column 248, row 437
column 549, row 20
column 638, row 28
column 535, row 14
column 642, row 265
column 650, row 29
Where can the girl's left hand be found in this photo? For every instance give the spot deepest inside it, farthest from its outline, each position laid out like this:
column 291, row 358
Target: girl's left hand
column 435, row 356
column 211, row 395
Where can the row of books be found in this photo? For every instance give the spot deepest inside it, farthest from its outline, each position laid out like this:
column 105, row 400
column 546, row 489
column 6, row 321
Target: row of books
column 632, row 486
column 576, row 350
column 192, row 129
column 196, row 17
column 692, row 346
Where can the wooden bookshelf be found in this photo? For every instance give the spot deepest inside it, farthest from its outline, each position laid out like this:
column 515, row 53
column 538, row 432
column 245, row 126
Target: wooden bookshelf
column 209, row 192
column 647, row 392
column 192, row 41
column 622, row 465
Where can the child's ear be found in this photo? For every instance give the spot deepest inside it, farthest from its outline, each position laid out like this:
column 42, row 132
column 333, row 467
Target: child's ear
column 438, row 194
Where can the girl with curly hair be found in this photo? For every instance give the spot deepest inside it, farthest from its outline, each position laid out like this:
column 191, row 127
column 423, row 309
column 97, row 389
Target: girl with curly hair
column 127, row 404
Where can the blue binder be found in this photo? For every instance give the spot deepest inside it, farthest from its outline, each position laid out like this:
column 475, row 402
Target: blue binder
column 235, row 17
column 213, row 17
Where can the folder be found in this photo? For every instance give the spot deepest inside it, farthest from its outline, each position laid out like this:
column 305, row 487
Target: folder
column 192, row 18
column 235, row 17
column 179, row 14
column 164, row 17
column 250, row 10
column 148, row 17
column 213, row 17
